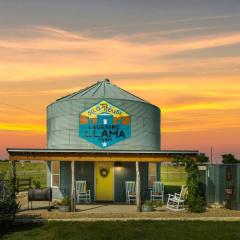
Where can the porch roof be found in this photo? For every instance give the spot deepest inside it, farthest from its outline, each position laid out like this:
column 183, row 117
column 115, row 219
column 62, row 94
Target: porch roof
column 16, row 154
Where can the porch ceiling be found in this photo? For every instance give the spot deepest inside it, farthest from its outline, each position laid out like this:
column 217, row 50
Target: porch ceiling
column 16, row 154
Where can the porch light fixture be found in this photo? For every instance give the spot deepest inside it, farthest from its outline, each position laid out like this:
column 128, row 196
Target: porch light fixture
column 118, row 164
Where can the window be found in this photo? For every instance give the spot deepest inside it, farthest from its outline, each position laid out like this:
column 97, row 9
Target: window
column 55, row 174
column 152, row 174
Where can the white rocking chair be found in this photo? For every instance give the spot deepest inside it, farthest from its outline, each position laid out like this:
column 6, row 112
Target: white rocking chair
column 82, row 193
column 157, row 192
column 130, row 187
column 176, row 202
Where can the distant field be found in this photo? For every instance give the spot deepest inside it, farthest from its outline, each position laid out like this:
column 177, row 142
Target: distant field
column 37, row 171
column 173, row 176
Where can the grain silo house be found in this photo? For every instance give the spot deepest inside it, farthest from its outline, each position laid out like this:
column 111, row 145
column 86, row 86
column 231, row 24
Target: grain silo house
column 104, row 137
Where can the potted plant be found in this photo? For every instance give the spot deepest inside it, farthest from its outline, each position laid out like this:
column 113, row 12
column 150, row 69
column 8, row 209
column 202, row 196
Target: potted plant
column 158, row 204
column 65, row 204
column 147, row 206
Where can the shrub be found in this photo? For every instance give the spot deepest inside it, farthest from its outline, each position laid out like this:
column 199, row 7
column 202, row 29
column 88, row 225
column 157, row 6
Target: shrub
column 202, row 158
column 66, row 201
column 195, row 202
column 37, row 184
column 8, row 206
column 8, row 203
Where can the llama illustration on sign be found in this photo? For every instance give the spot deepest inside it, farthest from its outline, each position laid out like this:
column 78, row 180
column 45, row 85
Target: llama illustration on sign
column 104, row 124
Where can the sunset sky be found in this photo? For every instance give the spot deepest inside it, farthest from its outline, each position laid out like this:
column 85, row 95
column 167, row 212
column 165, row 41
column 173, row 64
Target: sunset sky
column 181, row 55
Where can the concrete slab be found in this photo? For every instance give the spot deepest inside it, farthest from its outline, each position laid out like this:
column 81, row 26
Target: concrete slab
column 107, row 208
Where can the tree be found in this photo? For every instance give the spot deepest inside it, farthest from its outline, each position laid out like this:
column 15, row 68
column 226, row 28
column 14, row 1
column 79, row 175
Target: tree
column 202, row 158
column 178, row 161
column 229, row 158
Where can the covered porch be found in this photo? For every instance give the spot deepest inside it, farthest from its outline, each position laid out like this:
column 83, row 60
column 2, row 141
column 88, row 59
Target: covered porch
column 84, row 165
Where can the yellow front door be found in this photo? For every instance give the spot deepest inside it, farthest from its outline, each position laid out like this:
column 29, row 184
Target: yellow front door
column 104, row 181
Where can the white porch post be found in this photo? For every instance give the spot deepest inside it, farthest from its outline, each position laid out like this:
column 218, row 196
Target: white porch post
column 138, row 188
column 73, row 190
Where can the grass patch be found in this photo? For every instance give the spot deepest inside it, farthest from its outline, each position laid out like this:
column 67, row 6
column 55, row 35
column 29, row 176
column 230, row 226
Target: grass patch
column 173, row 176
column 134, row 230
column 27, row 166
column 37, row 171
column 170, row 168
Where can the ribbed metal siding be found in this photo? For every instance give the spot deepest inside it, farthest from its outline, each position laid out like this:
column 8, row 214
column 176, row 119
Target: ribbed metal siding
column 128, row 173
column 63, row 125
column 65, row 178
column 216, row 184
column 84, row 171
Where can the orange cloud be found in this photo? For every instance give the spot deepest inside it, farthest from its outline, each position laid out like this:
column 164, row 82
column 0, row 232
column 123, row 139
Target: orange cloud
column 44, row 54
column 23, row 127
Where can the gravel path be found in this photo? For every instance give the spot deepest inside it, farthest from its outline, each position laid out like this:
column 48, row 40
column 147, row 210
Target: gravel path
column 158, row 214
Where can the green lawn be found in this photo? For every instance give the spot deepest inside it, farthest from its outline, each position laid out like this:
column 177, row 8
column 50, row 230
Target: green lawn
column 173, row 176
column 27, row 166
column 133, row 230
column 37, row 171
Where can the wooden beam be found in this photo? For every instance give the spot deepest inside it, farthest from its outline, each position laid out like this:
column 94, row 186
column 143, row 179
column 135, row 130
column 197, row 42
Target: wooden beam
column 73, row 189
column 138, row 188
column 92, row 158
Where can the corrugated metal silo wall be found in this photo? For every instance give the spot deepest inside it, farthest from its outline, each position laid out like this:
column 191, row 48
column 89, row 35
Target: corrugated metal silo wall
column 63, row 125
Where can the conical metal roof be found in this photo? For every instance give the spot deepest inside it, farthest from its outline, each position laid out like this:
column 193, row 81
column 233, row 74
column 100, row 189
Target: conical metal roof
column 102, row 89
